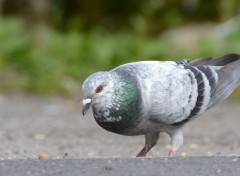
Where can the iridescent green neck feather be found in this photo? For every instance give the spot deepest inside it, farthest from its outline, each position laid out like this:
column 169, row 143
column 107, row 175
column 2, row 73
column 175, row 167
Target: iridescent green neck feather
column 125, row 111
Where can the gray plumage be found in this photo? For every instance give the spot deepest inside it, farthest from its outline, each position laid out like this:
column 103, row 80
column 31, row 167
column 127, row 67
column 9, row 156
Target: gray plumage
column 151, row 97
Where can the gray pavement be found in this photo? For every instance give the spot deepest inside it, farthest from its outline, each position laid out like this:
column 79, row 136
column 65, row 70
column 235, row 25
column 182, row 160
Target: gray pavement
column 189, row 166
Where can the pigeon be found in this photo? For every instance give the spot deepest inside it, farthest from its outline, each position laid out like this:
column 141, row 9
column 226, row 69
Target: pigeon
column 153, row 97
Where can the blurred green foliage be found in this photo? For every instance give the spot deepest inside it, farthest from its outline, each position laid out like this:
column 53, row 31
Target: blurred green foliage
column 148, row 17
column 144, row 16
column 55, row 63
column 51, row 46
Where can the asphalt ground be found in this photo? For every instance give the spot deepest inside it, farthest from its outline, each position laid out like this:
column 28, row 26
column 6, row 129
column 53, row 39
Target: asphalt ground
column 188, row 166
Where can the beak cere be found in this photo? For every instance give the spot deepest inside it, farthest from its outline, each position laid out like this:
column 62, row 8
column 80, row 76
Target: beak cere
column 86, row 105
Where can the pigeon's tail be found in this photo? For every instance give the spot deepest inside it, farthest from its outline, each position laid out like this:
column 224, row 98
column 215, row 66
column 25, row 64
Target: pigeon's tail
column 228, row 71
column 221, row 61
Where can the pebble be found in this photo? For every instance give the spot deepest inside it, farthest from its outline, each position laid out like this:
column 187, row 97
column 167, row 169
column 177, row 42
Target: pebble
column 183, row 154
column 108, row 168
column 235, row 160
column 11, row 136
column 43, row 155
column 193, row 146
column 39, row 136
column 219, row 171
column 92, row 154
column 209, row 153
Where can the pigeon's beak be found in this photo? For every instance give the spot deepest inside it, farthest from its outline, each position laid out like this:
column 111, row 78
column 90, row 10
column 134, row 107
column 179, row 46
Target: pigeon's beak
column 86, row 105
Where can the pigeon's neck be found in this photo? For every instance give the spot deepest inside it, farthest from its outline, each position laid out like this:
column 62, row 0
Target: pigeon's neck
column 122, row 111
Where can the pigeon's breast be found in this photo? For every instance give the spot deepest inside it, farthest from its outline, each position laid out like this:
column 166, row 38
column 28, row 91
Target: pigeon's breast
column 119, row 119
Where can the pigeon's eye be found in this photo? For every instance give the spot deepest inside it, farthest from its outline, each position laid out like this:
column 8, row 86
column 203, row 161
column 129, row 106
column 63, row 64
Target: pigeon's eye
column 99, row 89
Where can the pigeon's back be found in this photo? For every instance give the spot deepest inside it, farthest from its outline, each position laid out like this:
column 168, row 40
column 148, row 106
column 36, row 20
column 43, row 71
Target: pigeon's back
column 176, row 92
column 216, row 80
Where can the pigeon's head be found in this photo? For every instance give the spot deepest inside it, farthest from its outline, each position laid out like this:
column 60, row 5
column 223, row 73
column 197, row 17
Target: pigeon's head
column 95, row 89
column 114, row 98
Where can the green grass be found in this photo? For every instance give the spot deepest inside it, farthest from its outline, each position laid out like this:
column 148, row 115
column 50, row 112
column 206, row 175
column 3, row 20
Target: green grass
column 50, row 62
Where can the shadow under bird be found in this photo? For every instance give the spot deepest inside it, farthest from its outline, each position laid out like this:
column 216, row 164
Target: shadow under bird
column 153, row 97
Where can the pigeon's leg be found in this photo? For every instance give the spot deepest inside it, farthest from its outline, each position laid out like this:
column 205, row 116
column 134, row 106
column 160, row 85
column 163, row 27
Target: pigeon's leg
column 176, row 141
column 150, row 141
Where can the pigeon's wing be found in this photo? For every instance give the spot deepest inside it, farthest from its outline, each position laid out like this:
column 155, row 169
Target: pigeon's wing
column 216, row 81
column 228, row 78
column 193, row 88
column 172, row 95
column 223, row 75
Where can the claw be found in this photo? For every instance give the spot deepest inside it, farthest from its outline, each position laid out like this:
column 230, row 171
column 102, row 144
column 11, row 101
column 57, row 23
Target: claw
column 142, row 153
column 171, row 153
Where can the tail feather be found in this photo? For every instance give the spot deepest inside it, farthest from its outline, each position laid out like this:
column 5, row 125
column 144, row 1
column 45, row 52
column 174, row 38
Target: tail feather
column 225, row 60
column 201, row 62
column 221, row 61
column 228, row 77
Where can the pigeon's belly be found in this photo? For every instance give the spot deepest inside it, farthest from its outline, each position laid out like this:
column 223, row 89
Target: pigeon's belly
column 119, row 124
column 145, row 126
column 138, row 126
column 149, row 126
column 131, row 127
column 120, row 128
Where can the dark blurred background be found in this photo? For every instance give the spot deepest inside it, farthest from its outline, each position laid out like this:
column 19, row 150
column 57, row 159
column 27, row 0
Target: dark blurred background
column 50, row 46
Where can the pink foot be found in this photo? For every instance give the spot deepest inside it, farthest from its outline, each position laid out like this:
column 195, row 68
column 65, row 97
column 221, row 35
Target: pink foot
column 171, row 153
column 142, row 153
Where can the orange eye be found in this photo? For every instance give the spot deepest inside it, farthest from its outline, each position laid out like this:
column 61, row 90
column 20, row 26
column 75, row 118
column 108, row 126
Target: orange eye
column 99, row 89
